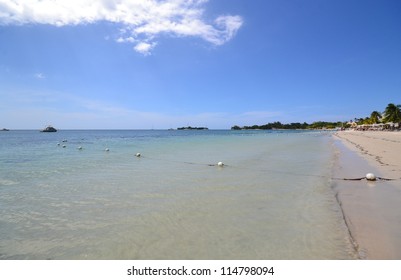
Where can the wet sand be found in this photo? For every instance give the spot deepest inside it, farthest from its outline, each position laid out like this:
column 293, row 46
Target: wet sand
column 372, row 210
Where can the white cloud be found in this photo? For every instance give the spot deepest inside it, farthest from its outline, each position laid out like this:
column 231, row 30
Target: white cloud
column 40, row 76
column 144, row 48
column 142, row 20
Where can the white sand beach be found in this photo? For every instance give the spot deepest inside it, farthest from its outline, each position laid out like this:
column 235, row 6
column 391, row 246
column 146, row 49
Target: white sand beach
column 372, row 210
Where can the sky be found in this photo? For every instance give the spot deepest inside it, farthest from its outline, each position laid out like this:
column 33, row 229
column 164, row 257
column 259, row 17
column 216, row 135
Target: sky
column 149, row 64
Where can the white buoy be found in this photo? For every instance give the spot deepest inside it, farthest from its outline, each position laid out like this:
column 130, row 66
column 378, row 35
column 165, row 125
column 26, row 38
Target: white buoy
column 107, row 149
column 138, row 154
column 220, row 164
column 370, row 177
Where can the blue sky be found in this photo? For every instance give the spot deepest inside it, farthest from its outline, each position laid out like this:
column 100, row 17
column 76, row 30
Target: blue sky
column 137, row 64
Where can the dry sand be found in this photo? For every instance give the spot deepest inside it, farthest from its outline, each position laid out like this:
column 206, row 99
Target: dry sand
column 372, row 210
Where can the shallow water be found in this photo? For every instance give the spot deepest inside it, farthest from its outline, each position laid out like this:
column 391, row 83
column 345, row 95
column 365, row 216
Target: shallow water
column 272, row 199
column 371, row 208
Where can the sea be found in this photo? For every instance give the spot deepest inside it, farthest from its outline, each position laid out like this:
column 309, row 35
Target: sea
column 86, row 194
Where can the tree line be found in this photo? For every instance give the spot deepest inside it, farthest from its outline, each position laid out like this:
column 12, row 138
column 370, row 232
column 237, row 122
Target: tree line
column 279, row 125
column 392, row 113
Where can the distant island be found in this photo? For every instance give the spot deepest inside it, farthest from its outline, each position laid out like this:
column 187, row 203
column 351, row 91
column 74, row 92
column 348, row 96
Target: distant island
column 192, row 128
column 49, row 129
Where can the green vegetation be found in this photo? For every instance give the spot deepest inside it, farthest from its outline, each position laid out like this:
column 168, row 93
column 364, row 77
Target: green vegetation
column 375, row 117
column 327, row 125
column 192, row 128
column 392, row 114
column 279, row 125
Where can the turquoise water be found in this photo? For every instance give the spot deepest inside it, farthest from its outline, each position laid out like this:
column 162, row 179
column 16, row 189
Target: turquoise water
column 272, row 199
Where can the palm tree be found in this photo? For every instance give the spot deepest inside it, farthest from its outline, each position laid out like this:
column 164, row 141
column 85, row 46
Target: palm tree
column 392, row 113
column 359, row 120
column 375, row 117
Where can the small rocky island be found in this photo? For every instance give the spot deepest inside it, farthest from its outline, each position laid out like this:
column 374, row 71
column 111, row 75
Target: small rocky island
column 49, row 129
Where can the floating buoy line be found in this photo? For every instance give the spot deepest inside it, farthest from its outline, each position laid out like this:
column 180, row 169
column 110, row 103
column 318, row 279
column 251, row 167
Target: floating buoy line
column 219, row 164
column 368, row 177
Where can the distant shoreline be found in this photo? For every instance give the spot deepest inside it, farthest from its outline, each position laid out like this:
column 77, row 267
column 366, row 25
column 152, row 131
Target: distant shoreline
column 297, row 125
column 192, row 128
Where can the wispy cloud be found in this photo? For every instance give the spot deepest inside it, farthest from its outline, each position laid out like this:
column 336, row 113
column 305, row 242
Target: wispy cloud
column 143, row 21
column 33, row 109
column 40, row 76
column 258, row 117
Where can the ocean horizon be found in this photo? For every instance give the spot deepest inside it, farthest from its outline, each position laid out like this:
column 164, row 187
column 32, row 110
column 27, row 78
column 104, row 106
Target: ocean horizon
column 84, row 194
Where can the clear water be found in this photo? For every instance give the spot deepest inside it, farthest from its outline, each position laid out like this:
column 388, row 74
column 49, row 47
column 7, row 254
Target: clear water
column 272, row 200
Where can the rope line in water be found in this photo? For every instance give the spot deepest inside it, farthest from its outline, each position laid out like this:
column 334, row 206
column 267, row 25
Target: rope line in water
column 364, row 178
column 220, row 164
column 368, row 177
column 183, row 162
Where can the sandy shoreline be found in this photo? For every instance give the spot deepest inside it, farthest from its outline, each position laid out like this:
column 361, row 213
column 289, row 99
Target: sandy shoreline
column 372, row 210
